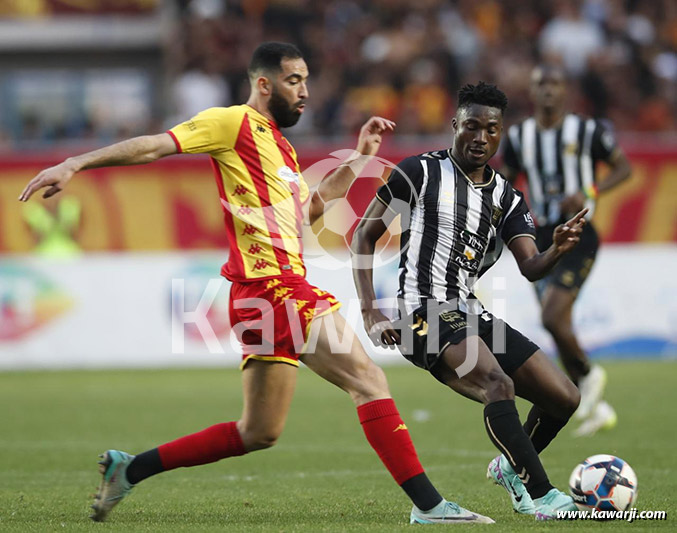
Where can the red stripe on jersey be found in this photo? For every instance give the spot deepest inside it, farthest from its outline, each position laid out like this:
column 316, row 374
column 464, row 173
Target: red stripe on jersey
column 176, row 141
column 235, row 254
column 245, row 146
column 288, row 156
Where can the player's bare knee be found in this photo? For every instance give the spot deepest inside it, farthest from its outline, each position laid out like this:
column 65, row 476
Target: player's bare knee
column 370, row 383
column 258, row 438
column 261, row 440
column 377, row 378
column 498, row 386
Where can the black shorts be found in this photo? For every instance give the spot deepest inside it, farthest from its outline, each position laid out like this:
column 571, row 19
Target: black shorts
column 572, row 270
column 425, row 338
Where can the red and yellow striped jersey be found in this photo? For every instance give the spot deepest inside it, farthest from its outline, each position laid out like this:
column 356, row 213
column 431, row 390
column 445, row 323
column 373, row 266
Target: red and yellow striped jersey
column 260, row 186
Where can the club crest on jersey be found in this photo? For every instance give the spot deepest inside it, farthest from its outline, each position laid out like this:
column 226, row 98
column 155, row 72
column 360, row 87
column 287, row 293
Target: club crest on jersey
column 287, row 174
column 496, row 214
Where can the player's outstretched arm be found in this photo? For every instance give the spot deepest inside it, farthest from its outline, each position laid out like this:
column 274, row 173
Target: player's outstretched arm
column 336, row 184
column 135, row 151
column 373, row 225
column 534, row 265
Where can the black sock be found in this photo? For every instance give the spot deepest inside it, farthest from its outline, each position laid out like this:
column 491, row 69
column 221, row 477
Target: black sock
column 542, row 428
column 422, row 492
column 144, row 465
column 506, row 432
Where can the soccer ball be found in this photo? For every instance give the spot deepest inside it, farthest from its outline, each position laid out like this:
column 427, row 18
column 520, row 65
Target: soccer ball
column 603, row 482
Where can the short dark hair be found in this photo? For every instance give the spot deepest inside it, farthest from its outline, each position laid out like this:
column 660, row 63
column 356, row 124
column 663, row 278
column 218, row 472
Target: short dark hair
column 482, row 94
column 268, row 57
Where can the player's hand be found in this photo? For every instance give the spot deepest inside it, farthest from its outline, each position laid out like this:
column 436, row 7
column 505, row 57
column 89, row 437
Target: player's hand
column 55, row 178
column 573, row 203
column 369, row 140
column 380, row 330
column 566, row 236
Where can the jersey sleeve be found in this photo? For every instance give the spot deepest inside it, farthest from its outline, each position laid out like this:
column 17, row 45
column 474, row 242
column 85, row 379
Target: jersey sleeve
column 603, row 142
column 403, row 185
column 518, row 222
column 510, row 158
column 211, row 131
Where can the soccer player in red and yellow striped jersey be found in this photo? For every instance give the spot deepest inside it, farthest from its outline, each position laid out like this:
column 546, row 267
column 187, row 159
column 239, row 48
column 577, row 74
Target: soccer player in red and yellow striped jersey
column 262, row 192
column 260, row 185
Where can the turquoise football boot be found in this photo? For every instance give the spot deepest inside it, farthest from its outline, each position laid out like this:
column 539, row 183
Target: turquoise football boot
column 447, row 513
column 114, row 485
column 552, row 504
column 501, row 473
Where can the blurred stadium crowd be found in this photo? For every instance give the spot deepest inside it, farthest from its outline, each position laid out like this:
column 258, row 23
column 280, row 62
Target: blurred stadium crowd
column 397, row 58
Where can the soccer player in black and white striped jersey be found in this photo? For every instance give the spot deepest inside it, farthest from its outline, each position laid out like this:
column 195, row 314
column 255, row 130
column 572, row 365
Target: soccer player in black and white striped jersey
column 559, row 152
column 454, row 211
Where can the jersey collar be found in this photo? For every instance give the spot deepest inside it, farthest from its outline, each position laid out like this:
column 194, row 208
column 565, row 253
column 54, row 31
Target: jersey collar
column 477, row 185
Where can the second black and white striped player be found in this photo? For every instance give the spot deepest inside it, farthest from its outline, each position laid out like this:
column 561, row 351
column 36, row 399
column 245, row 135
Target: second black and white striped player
column 455, row 209
column 559, row 151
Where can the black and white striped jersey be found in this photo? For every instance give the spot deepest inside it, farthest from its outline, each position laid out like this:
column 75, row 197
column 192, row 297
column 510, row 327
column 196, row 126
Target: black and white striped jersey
column 558, row 161
column 452, row 228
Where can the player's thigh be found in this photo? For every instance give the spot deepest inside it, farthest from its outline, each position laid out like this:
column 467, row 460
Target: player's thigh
column 560, row 288
column 541, row 382
column 268, row 389
column 557, row 305
column 471, row 369
column 335, row 353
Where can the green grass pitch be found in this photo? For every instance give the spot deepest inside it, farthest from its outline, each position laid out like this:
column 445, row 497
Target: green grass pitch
column 322, row 476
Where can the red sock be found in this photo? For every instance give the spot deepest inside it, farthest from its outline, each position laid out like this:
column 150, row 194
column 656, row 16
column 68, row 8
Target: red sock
column 207, row 446
column 388, row 435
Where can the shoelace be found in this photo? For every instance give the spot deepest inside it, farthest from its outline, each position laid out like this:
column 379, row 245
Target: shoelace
column 454, row 507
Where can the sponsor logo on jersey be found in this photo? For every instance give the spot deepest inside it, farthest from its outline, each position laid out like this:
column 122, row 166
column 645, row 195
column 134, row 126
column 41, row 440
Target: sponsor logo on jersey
column 455, row 319
column 471, row 264
column 473, row 240
column 287, row 174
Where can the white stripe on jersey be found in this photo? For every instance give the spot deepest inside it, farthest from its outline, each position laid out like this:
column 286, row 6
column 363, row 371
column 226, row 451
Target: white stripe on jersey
column 513, row 205
column 472, row 225
column 587, row 169
column 412, row 296
column 570, row 150
column 529, row 162
column 497, row 194
column 445, row 241
column 549, row 152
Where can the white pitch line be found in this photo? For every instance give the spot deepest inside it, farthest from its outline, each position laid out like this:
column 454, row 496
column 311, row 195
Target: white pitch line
column 332, row 473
